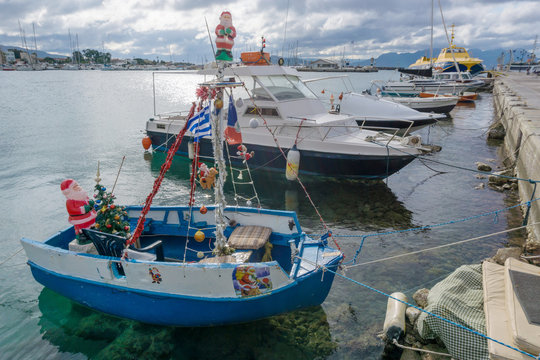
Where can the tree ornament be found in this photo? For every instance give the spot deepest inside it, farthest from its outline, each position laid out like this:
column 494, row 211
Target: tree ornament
column 199, row 236
column 200, row 254
column 117, row 217
column 203, row 210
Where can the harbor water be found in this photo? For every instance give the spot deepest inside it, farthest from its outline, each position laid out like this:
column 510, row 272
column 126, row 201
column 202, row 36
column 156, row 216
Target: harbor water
column 58, row 124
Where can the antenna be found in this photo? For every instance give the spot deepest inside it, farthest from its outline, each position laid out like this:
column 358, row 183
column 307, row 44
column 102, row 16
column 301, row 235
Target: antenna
column 285, row 31
column 210, row 38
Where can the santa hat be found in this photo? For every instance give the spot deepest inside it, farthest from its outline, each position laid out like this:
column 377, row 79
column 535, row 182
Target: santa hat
column 225, row 12
column 66, row 186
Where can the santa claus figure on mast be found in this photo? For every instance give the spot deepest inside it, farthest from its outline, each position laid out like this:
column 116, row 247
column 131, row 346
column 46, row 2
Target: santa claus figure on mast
column 80, row 209
column 226, row 33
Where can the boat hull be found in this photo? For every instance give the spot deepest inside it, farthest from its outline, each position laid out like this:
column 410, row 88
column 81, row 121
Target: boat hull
column 449, row 66
column 440, row 106
column 311, row 163
column 165, row 309
column 186, row 289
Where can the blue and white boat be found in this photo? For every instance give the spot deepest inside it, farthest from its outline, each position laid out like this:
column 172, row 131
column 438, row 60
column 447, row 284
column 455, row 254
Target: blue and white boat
column 182, row 289
column 193, row 265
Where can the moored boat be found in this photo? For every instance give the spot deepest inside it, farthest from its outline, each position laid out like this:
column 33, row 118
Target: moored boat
column 330, row 144
column 439, row 104
column 452, row 55
column 372, row 112
column 463, row 97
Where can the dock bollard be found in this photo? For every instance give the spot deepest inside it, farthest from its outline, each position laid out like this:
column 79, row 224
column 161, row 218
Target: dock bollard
column 394, row 326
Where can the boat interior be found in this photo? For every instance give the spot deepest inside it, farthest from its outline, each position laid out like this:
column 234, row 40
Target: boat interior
column 167, row 239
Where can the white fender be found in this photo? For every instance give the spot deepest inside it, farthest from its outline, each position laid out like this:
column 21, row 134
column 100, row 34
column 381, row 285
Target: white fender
column 293, row 163
column 394, row 323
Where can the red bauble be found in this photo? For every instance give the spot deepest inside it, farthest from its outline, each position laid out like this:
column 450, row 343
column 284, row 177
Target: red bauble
column 126, row 228
column 113, row 206
column 203, row 210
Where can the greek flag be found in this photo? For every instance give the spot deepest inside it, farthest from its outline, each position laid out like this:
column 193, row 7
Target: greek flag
column 199, row 125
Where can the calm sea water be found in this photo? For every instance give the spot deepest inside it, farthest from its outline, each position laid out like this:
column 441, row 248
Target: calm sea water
column 58, row 125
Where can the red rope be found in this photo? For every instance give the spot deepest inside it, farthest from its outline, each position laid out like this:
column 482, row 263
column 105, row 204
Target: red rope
column 157, row 183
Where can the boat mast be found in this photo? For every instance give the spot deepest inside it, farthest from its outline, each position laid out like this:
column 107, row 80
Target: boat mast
column 217, row 145
column 431, row 43
column 451, row 43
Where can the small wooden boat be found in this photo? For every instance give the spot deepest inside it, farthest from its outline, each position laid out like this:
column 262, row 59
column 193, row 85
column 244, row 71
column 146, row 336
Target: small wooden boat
column 437, row 104
column 462, row 97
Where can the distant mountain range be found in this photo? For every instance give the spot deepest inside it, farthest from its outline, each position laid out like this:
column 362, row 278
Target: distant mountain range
column 384, row 60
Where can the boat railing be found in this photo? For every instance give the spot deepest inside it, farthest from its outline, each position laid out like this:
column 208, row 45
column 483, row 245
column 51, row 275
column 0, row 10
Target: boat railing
column 173, row 115
column 359, row 127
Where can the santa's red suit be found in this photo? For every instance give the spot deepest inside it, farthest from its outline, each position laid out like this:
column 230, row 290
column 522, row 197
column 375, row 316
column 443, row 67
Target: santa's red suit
column 81, row 214
column 225, row 32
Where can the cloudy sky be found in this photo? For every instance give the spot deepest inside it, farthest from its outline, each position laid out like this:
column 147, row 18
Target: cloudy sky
column 357, row 29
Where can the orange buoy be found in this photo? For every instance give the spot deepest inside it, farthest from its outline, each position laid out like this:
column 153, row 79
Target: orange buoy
column 146, row 142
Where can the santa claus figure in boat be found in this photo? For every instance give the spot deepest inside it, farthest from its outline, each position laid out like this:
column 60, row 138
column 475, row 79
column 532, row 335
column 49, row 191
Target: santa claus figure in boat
column 80, row 209
column 226, row 33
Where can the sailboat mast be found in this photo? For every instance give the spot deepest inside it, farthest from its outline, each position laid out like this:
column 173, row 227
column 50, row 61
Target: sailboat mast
column 431, row 43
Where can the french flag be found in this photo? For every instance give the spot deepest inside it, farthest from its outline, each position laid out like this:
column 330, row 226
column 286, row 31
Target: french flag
column 232, row 132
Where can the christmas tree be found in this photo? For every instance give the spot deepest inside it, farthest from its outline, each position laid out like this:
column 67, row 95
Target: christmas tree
column 110, row 218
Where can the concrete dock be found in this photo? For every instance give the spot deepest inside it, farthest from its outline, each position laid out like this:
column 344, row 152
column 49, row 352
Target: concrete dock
column 516, row 98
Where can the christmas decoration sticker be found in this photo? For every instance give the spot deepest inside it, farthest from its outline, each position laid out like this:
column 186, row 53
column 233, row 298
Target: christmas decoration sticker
column 251, row 280
column 156, row 276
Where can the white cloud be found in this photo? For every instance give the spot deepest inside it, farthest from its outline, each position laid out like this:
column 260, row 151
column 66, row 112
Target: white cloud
column 133, row 28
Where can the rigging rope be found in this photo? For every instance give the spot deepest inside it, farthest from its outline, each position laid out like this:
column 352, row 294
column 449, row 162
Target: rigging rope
column 157, row 183
column 325, row 226
column 441, row 246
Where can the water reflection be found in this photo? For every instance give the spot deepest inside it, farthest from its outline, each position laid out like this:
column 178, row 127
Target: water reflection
column 303, row 334
column 349, row 203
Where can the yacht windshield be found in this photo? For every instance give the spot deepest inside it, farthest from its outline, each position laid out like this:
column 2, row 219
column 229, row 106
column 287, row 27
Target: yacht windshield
column 285, row 87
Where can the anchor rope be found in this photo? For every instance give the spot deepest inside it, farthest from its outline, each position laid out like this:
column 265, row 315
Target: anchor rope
column 394, row 341
column 457, row 166
column 418, row 308
column 10, row 256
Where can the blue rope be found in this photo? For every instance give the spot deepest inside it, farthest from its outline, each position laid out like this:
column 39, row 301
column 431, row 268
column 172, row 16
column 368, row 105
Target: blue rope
column 434, row 315
column 526, row 219
column 425, row 227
